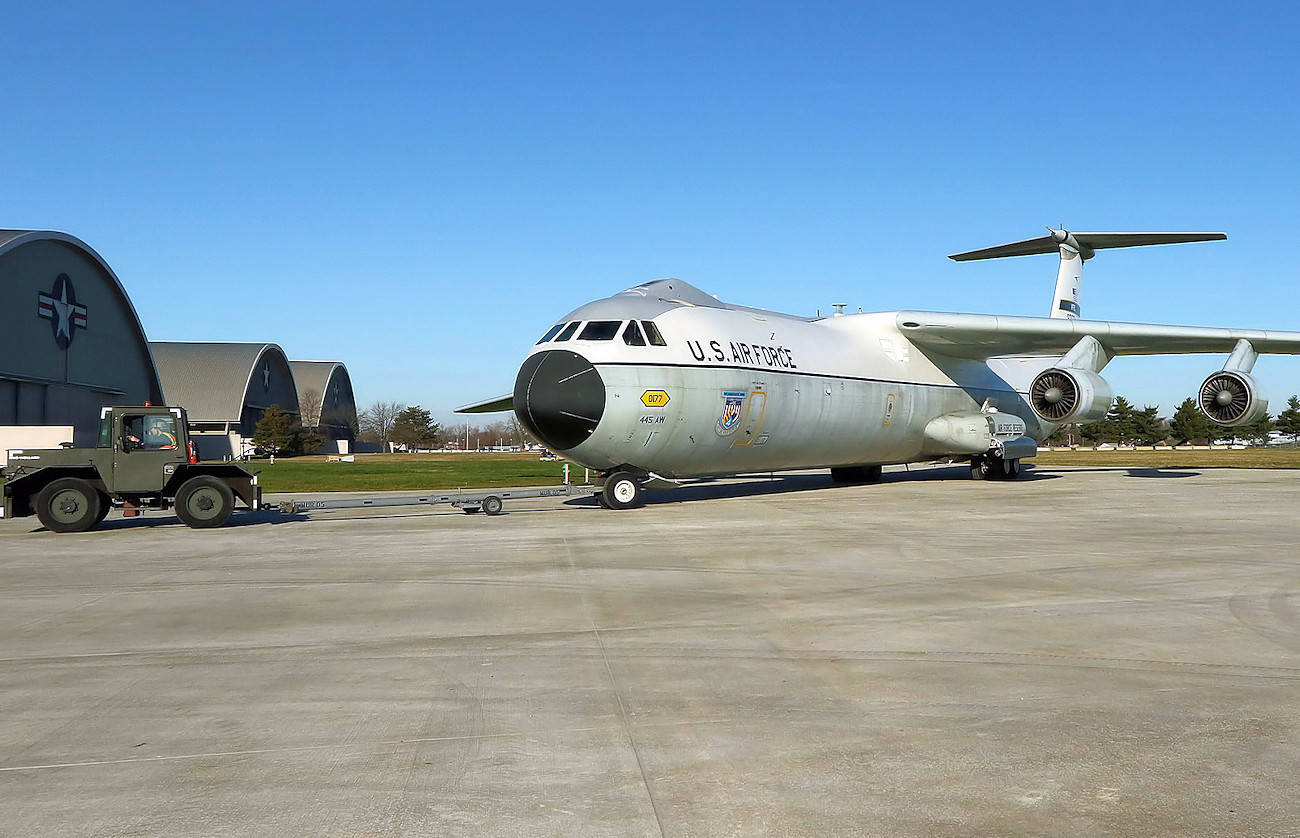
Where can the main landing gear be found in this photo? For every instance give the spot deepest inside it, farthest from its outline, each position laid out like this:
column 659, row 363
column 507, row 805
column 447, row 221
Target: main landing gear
column 856, row 474
column 985, row 467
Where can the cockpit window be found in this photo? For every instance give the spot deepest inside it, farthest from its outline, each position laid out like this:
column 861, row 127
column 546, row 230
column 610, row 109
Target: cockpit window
column 632, row 334
column 600, row 330
column 568, row 331
column 555, row 330
column 652, row 332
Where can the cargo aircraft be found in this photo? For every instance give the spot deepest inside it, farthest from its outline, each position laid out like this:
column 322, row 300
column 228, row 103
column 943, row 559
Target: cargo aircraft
column 663, row 383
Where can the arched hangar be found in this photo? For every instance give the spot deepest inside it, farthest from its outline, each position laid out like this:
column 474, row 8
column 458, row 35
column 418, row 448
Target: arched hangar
column 225, row 389
column 70, row 340
column 325, row 398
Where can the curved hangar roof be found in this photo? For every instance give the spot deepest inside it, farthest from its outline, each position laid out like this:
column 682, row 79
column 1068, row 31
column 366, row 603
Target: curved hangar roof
column 70, row 339
column 225, row 383
column 325, row 390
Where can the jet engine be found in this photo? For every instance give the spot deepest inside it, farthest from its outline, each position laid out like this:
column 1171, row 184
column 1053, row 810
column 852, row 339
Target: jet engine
column 1062, row 395
column 1232, row 398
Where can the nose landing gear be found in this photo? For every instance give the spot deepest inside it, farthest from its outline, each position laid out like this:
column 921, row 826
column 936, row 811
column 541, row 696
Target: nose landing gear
column 622, row 490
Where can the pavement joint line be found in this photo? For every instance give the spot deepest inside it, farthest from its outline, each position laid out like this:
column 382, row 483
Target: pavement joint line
column 618, row 695
column 344, row 746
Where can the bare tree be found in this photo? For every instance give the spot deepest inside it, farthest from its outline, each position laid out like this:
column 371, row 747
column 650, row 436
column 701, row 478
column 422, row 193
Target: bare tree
column 377, row 420
column 309, row 408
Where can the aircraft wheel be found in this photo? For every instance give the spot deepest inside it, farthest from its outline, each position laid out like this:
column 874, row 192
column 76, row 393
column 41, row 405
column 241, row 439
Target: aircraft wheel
column 600, row 499
column 856, row 474
column 491, row 505
column 204, row 502
column 622, row 491
column 1010, row 469
column 68, row 504
column 988, row 468
column 847, row 474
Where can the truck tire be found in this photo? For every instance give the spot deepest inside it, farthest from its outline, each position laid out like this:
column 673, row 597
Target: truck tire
column 105, row 506
column 68, row 504
column 204, row 502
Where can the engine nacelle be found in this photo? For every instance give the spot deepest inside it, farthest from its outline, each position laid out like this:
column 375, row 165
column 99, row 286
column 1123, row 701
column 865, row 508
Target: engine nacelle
column 1232, row 398
column 1063, row 395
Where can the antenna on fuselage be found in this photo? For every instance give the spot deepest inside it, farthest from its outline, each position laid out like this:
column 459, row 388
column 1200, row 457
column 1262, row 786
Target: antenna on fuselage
column 1075, row 249
column 839, row 308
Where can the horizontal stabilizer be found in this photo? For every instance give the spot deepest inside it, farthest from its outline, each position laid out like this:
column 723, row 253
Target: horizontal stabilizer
column 1087, row 243
column 500, row 403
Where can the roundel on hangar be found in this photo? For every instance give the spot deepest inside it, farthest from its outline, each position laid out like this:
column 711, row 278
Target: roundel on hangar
column 70, row 340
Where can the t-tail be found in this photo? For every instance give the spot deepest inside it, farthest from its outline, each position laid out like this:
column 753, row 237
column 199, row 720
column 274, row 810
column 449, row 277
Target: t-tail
column 1075, row 249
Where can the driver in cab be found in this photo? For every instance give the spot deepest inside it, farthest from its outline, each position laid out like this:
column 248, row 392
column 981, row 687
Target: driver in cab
column 156, row 437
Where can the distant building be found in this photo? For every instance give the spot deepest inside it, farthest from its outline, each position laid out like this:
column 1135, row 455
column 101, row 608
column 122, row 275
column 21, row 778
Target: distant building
column 70, row 340
column 325, row 394
column 225, row 389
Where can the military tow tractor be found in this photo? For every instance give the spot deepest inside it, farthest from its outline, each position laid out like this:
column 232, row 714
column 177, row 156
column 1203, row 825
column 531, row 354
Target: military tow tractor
column 145, row 460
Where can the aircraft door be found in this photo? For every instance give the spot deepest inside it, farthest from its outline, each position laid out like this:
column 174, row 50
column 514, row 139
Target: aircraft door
column 754, row 409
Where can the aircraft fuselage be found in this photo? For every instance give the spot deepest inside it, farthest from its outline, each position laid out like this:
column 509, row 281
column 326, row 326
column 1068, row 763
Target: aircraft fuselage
column 734, row 390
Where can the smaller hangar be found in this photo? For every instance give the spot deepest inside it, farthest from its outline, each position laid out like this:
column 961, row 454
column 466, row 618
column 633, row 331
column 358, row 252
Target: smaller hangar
column 325, row 398
column 225, row 389
column 70, row 340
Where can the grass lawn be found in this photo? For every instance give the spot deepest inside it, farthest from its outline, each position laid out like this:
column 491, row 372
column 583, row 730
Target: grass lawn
column 385, row 472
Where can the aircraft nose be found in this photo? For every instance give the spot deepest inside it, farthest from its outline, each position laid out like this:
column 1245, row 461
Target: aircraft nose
column 559, row 397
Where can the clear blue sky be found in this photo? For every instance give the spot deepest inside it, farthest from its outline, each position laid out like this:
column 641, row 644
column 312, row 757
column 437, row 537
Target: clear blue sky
column 420, row 189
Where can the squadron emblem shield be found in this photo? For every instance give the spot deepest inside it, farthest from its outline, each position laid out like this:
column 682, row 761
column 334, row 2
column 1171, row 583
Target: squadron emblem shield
column 732, row 404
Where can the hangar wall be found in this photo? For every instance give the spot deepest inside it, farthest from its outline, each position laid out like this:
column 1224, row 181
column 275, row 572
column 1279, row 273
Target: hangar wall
column 225, row 389
column 70, row 340
column 328, row 388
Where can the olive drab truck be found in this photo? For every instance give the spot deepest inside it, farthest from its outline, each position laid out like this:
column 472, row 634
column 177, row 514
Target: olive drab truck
column 145, row 460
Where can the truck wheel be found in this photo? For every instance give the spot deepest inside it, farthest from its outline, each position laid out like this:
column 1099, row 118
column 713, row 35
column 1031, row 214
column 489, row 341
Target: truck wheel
column 105, row 506
column 204, row 502
column 68, row 504
column 622, row 491
column 491, row 505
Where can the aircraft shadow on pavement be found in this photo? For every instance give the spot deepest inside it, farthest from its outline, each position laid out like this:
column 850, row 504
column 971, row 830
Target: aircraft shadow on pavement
column 1149, row 472
column 787, row 484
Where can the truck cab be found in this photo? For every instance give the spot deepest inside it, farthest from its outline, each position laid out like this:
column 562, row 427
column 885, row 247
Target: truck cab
column 144, row 459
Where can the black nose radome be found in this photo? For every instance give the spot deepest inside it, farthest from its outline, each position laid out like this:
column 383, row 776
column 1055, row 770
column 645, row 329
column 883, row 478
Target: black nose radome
column 559, row 398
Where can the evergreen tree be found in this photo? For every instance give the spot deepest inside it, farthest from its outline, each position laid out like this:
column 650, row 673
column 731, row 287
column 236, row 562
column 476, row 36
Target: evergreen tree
column 414, row 428
column 1189, row 423
column 1256, row 431
column 1288, row 421
column 274, row 431
column 1147, row 428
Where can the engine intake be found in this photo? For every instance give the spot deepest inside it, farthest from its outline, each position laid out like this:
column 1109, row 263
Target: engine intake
column 1062, row 395
column 1232, row 399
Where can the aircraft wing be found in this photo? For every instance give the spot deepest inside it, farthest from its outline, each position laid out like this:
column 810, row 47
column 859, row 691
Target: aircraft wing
column 496, row 405
column 983, row 336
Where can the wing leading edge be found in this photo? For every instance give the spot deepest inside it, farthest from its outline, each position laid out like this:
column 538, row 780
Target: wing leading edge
column 495, row 405
column 983, row 336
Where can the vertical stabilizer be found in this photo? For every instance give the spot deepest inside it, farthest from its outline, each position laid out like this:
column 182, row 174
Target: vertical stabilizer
column 1069, row 276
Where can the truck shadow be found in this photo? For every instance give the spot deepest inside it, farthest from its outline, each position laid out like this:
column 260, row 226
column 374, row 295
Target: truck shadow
column 241, row 518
